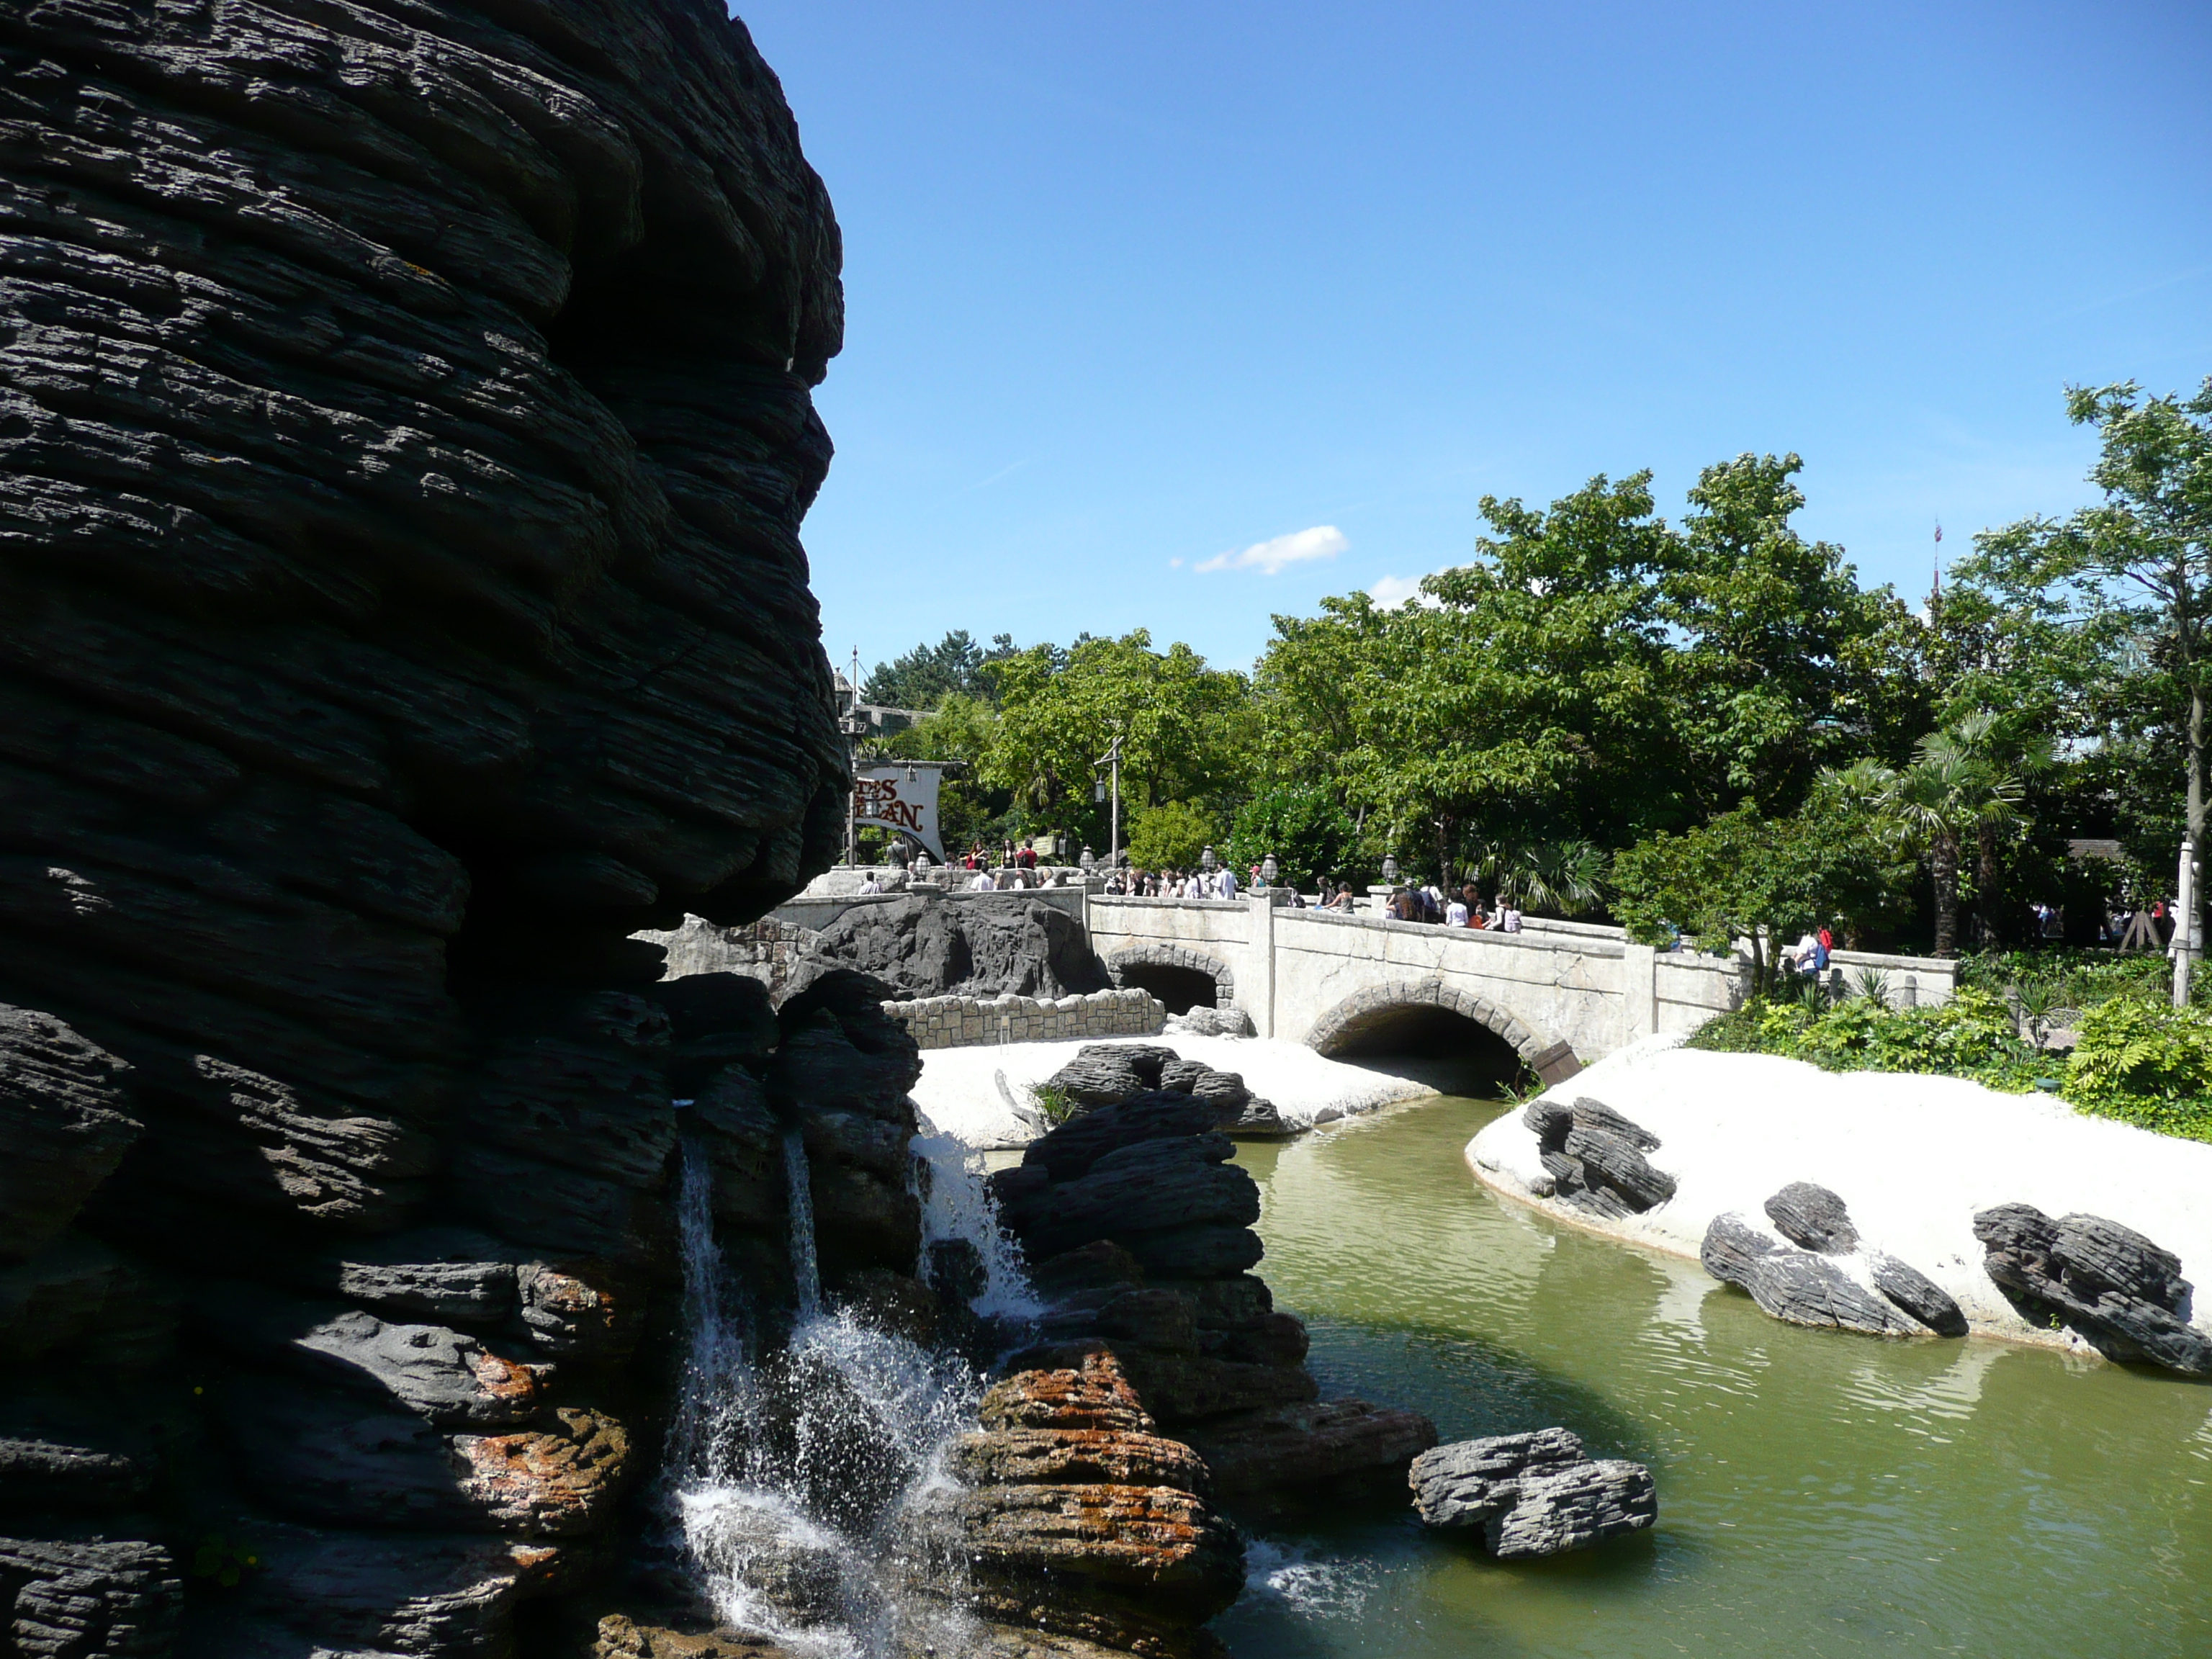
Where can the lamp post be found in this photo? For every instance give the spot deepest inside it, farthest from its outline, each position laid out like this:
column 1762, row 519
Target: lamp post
column 1207, row 862
column 1389, row 870
column 1268, row 870
column 2188, row 940
column 1112, row 760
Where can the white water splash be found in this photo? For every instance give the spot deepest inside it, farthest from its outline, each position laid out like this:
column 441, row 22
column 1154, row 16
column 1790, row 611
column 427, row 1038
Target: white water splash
column 1313, row 1589
column 791, row 1472
column 959, row 1204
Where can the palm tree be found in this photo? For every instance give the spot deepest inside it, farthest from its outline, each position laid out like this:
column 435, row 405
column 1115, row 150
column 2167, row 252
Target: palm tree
column 1561, row 877
column 1954, row 789
column 2010, row 751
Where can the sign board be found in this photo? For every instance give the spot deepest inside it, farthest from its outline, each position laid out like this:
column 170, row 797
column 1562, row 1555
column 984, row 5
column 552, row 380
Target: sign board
column 901, row 797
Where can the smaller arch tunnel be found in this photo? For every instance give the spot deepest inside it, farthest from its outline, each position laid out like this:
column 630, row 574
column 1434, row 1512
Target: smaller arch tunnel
column 1182, row 979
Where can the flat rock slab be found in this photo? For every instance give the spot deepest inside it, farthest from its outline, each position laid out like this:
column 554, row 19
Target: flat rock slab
column 1531, row 1494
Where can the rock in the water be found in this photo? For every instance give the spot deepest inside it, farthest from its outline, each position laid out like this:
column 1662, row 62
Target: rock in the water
column 623, row 1638
column 1259, row 1121
column 1070, row 1149
column 1083, row 1522
column 1813, row 1219
column 1910, row 1288
column 1798, row 1285
column 1326, row 1444
column 1531, row 1494
column 2119, row 1290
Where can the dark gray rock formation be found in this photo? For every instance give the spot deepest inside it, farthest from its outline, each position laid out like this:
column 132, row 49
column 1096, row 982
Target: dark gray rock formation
column 1140, row 1231
column 1531, row 1494
column 936, row 946
column 1912, row 1290
column 1595, row 1157
column 407, row 426
column 1813, row 1219
column 1798, row 1285
column 2120, row 1291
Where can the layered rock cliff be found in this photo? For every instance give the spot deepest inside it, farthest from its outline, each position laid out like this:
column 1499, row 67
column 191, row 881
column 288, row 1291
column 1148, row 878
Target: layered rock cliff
column 405, row 431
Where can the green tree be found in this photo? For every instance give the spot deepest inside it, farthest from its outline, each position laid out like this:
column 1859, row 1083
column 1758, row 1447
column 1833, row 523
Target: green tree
column 1957, row 786
column 1309, row 833
column 1551, row 877
column 1179, row 723
column 924, row 676
column 1172, row 835
column 1738, row 877
column 2138, row 566
column 1779, row 670
column 1525, row 698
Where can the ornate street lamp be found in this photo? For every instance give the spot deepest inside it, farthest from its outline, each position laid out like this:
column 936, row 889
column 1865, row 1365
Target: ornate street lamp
column 1207, row 862
column 1086, row 860
column 1389, row 870
column 1268, row 870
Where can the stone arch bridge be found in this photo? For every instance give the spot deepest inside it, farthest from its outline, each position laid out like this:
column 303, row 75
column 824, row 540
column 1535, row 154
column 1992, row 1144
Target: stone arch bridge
column 1562, row 994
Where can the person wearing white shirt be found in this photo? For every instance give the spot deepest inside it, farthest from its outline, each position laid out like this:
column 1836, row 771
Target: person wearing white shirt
column 1455, row 914
column 1225, row 883
column 872, row 884
column 1509, row 917
column 980, row 882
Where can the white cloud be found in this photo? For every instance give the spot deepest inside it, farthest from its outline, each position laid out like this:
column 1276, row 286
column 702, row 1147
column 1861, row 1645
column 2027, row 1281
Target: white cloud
column 1272, row 558
column 1175, row 563
column 1391, row 591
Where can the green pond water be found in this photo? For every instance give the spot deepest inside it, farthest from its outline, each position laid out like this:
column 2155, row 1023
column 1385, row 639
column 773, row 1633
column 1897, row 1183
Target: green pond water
column 1820, row 1494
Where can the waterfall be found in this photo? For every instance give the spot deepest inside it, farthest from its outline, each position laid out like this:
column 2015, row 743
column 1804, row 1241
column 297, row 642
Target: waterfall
column 806, row 1269
column 957, row 1207
column 790, row 1471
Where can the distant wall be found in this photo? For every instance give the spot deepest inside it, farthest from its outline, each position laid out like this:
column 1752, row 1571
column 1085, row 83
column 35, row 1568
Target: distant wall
column 963, row 1021
column 763, row 949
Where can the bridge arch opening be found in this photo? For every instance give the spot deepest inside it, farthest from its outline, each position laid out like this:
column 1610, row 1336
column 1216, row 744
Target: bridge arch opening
column 1180, row 990
column 1462, row 1044
column 1181, row 978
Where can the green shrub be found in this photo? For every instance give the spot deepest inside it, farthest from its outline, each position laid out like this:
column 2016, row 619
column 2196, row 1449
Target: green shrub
column 1971, row 1035
column 2145, row 1062
column 2138, row 1060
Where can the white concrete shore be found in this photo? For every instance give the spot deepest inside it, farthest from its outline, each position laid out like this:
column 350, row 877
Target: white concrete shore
column 1913, row 1158
column 972, row 1094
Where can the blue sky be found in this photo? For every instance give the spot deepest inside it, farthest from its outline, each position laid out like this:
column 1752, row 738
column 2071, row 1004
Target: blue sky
column 1131, row 288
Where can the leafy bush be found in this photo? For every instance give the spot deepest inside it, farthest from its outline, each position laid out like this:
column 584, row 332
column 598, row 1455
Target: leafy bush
column 2147, row 1063
column 2082, row 978
column 1172, row 835
column 1311, row 835
column 2137, row 1059
column 1971, row 1035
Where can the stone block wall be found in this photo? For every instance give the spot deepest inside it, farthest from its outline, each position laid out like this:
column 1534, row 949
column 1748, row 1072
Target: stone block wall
column 963, row 1021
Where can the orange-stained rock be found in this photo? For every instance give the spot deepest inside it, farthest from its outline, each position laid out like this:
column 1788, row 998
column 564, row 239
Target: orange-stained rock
column 1091, row 1392
column 561, row 1482
column 1162, row 1554
column 621, row 1637
column 1018, row 1457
